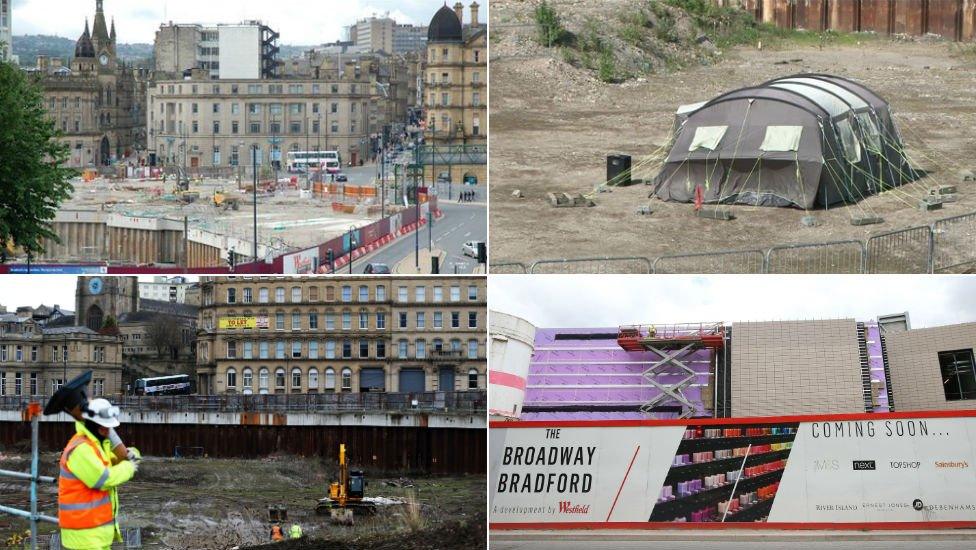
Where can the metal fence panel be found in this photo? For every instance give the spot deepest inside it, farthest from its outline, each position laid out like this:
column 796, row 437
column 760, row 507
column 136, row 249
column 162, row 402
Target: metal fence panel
column 833, row 257
column 597, row 266
column 511, row 268
column 954, row 247
column 903, row 251
column 732, row 261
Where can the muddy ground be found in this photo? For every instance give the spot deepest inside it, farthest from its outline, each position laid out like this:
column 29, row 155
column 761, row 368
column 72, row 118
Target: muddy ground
column 206, row 504
column 553, row 126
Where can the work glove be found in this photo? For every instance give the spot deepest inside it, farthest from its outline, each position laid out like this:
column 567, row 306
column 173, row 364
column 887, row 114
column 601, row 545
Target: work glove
column 134, row 455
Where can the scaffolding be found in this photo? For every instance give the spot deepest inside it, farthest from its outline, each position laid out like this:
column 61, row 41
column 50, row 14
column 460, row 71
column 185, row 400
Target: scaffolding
column 33, row 415
column 672, row 344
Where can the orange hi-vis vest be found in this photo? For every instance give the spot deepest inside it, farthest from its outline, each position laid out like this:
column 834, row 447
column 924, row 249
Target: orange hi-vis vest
column 80, row 506
column 277, row 533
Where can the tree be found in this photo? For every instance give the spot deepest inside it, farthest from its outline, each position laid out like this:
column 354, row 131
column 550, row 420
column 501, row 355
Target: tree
column 33, row 182
column 166, row 334
column 110, row 327
column 551, row 31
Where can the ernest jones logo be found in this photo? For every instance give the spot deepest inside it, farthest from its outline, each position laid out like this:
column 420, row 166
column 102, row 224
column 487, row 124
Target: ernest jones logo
column 567, row 507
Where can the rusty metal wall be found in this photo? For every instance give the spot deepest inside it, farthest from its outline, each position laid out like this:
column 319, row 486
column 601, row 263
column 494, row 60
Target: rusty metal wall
column 876, row 16
column 436, row 451
column 844, row 16
column 810, row 15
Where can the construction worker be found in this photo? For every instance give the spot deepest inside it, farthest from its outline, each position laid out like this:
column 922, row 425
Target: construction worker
column 90, row 473
column 296, row 531
column 277, row 534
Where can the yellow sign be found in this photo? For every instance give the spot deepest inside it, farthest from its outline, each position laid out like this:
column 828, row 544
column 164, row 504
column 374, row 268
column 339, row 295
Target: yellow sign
column 234, row 323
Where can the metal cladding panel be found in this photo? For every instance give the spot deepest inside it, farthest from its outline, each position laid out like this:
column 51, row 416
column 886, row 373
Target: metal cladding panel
column 943, row 18
column 843, row 16
column 809, row 15
column 909, row 17
column 438, row 451
column 875, row 16
column 412, row 380
column 783, row 15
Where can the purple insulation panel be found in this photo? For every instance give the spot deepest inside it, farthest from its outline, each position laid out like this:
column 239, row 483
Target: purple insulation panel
column 587, row 369
column 876, row 362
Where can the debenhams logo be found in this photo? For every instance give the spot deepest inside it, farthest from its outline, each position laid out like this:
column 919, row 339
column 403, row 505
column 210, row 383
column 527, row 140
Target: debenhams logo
column 960, row 464
column 567, row 507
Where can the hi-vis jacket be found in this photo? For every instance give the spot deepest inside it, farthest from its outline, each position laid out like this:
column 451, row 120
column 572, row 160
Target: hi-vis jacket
column 87, row 502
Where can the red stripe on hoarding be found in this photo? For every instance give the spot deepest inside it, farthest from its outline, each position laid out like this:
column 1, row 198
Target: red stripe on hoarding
column 729, row 421
column 754, row 526
column 621, row 488
column 506, row 379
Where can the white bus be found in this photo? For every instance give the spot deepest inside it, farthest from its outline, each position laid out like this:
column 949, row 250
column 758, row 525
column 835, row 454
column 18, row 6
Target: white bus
column 301, row 161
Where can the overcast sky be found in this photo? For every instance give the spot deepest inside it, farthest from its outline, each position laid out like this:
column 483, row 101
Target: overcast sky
column 300, row 22
column 566, row 301
column 34, row 290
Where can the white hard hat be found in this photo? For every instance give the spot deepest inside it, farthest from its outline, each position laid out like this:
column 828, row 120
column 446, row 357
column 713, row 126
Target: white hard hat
column 101, row 412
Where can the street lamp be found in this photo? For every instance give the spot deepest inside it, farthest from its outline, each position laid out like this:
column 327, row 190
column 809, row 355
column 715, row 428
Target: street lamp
column 254, row 191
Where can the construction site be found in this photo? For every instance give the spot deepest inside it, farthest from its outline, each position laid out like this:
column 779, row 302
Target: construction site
column 221, row 479
column 636, row 136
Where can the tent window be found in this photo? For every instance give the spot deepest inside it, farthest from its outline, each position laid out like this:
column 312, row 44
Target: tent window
column 707, row 137
column 781, row 139
column 872, row 135
column 852, row 147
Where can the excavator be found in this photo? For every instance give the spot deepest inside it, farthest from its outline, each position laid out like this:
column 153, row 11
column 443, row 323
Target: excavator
column 346, row 495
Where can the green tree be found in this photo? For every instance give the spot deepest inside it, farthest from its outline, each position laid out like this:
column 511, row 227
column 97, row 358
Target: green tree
column 551, row 31
column 33, row 182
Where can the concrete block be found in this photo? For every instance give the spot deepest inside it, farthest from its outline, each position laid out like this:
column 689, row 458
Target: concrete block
column 644, row 211
column 928, row 204
column 809, row 221
column 949, row 198
column 557, row 199
column 943, row 190
column 866, row 220
column 715, row 214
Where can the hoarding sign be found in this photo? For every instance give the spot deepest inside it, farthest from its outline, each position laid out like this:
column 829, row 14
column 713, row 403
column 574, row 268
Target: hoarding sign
column 238, row 323
column 853, row 470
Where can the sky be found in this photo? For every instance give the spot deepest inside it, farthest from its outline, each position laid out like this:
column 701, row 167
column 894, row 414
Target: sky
column 567, row 301
column 300, row 22
column 34, row 290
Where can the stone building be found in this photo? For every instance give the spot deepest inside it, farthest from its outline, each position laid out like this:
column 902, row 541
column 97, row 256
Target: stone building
column 456, row 96
column 98, row 101
column 98, row 298
column 35, row 360
column 158, row 339
column 345, row 334
column 227, row 51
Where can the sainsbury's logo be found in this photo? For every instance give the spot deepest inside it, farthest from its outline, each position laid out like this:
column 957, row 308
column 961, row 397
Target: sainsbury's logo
column 567, row 507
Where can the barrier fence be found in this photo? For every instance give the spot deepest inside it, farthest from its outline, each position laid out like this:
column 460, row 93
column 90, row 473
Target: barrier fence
column 946, row 246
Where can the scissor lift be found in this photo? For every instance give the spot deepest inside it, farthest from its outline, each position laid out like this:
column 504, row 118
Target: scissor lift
column 672, row 343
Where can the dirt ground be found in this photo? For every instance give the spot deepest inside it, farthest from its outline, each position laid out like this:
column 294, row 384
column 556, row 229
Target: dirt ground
column 553, row 126
column 210, row 504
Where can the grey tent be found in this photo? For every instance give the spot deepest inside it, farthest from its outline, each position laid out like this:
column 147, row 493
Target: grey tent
column 806, row 140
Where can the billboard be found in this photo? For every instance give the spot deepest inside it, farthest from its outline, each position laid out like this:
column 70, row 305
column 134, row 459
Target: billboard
column 853, row 471
column 302, row 263
column 238, row 323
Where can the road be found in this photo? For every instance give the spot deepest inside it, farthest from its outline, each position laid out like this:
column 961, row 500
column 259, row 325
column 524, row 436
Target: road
column 461, row 223
column 725, row 545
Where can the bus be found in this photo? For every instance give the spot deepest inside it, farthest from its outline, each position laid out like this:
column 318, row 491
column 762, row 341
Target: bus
column 179, row 384
column 301, row 161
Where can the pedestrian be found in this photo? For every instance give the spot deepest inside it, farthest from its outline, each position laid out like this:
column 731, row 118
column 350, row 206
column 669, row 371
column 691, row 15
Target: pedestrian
column 277, row 535
column 460, row 197
column 296, row 531
column 88, row 503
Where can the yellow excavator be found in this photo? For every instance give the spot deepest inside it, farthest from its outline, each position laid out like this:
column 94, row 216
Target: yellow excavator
column 346, row 496
column 223, row 201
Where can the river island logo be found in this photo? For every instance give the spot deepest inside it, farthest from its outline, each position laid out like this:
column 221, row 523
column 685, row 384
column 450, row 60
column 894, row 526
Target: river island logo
column 917, row 504
column 567, row 507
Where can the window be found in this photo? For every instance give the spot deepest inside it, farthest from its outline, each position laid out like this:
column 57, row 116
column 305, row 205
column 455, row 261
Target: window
column 280, row 349
column 33, row 383
column 330, row 349
column 421, row 320
column 329, row 321
column 33, row 356
column 296, row 379
column 280, row 379
column 958, row 376
column 296, row 350
column 472, row 349
column 280, row 294
column 363, row 320
column 455, row 319
column 403, row 320
column 381, row 349
column 438, row 319
column 18, row 383
column 296, row 321
column 438, row 294
column 247, row 296
column 472, row 293
column 329, row 379
column 313, row 350
column 231, row 295
column 455, row 294
column 296, row 294
column 346, row 320
column 19, row 354
column 248, row 352
column 313, row 294
column 263, row 380
column 420, row 294
column 232, row 350
column 421, row 349
column 263, row 350
column 231, row 379
column 472, row 319
column 363, row 349
column 279, row 321
column 380, row 320
column 473, row 379
column 248, row 380
column 313, row 320
column 402, row 294
column 346, row 293
column 347, row 349
column 313, row 379
column 347, row 379
column 363, row 293
column 380, row 293
column 402, row 349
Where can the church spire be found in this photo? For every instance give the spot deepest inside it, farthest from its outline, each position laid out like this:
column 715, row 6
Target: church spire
column 100, row 30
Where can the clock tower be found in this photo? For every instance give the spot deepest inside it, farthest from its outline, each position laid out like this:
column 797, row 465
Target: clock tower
column 104, row 41
column 97, row 298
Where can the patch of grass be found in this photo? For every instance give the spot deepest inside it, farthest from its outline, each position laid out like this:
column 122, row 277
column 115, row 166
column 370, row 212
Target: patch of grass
column 608, row 67
column 551, row 31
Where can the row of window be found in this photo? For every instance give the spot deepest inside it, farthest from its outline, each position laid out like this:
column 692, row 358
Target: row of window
column 294, row 128
column 445, row 100
column 446, row 57
column 15, row 385
column 19, row 353
column 296, row 294
column 272, row 89
column 262, row 321
column 446, row 78
column 342, row 349
column 298, row 377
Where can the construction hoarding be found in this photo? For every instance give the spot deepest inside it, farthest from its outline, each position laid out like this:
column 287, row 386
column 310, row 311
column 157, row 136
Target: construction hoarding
column 858, row 471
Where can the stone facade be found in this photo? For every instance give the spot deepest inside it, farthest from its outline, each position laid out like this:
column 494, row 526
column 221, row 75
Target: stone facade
column 796, row 367
column 342, row 334
column 98, row 298
column 916, row 375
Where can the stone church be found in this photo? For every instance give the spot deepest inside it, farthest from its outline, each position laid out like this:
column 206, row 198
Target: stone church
column 98, row 102
column 97, row 298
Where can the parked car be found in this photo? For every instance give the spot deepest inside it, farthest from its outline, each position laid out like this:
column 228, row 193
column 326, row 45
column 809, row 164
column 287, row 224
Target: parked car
column 471, row 248
column 341, row 178
column 377, row 269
